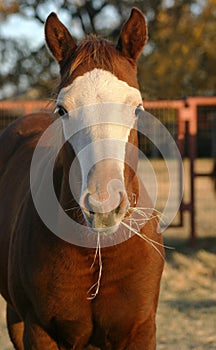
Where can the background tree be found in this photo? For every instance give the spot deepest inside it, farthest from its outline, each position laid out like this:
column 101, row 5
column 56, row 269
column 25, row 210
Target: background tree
column 178, row 60
column 182, row 60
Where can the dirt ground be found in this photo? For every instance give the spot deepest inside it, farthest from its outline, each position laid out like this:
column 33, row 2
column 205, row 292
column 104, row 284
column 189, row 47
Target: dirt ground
column 187, row 309
column 186, row 317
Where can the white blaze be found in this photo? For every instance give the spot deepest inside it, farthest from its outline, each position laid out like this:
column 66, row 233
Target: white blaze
column 97, row 86
column 101, row 113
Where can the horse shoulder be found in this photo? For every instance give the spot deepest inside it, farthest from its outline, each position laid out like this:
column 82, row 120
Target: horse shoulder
column 17, row 132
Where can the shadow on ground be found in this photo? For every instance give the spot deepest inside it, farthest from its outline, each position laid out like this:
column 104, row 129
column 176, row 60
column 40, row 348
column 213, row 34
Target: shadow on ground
column 184, row 246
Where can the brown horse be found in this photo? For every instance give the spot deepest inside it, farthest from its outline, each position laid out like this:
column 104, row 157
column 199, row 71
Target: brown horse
column 59, row 294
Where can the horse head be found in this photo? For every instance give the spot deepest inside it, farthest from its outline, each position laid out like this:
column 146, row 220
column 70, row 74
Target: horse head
column 97, row 101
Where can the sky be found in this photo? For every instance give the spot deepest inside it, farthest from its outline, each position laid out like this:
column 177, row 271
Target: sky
column 17, row 27
column 31, row 30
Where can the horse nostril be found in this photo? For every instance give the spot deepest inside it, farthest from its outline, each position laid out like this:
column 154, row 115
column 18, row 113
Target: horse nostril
column 85, row 205
column 95, row 204
column 123, row 204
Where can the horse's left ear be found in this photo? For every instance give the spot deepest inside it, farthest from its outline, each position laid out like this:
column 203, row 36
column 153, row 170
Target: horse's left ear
column 133, row 35
column 58, row 39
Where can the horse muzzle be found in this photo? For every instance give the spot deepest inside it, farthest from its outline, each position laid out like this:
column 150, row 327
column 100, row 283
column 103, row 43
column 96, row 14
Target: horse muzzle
column 105, row 202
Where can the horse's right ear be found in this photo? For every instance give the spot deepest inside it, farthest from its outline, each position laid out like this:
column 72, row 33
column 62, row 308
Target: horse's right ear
column 58, row 39
column 134, row 35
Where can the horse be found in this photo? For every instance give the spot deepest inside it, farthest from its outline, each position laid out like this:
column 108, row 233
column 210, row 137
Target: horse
column 60, row 294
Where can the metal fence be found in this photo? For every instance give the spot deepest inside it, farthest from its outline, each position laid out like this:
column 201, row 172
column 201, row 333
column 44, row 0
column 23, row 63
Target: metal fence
column 191, row 122
column 11, row 110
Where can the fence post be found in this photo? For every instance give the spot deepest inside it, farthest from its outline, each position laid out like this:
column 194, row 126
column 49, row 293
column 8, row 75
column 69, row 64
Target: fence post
column 188, row 113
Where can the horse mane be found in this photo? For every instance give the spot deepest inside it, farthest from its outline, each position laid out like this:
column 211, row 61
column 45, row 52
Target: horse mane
column 97, row 50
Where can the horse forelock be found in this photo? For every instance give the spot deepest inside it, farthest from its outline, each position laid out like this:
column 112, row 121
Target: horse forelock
column 95, row 52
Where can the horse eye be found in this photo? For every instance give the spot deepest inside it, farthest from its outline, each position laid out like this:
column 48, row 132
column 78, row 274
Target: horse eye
column 61, row 111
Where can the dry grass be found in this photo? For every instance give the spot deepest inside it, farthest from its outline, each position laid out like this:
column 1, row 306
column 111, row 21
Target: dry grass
column 187, row 309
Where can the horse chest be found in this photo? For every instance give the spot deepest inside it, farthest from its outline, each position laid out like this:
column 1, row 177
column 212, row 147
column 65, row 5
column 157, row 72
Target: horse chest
column 112, row 311
column 101, row 284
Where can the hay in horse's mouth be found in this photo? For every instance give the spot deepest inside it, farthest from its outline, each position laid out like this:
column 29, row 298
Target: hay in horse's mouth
column 105, row 229
column 107, row 223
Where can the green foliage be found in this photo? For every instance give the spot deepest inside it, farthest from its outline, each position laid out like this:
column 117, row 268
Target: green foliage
column 178, row 60
column 183, row 59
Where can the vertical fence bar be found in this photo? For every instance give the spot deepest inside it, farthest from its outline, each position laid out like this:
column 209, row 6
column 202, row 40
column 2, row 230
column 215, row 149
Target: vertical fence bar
column 188, row 115
column 181, row 146
column 192, row 149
